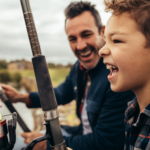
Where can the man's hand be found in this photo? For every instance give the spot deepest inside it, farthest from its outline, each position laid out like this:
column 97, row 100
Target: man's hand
column 13, row 95
column 29, row 136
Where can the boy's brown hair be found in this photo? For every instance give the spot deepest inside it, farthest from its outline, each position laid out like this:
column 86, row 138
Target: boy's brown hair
column 138, row 9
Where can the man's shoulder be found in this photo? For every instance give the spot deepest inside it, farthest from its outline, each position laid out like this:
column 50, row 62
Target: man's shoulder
column 75, row 68
column 75, row 65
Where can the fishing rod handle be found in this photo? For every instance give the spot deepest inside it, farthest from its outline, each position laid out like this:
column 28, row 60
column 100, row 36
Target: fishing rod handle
column 31, row 29
column 44, row 84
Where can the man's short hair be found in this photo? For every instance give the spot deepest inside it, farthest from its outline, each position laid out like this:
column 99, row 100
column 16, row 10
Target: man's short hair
column 77, row 8
column 139, row 10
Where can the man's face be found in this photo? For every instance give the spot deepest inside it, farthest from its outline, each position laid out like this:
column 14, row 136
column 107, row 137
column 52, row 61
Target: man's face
column 85, row 39
column 125, row 54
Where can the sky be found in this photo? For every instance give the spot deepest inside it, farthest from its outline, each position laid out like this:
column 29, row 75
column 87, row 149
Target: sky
column 49, row 20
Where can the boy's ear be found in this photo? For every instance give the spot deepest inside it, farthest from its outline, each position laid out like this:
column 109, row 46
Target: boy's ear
column 102, row 32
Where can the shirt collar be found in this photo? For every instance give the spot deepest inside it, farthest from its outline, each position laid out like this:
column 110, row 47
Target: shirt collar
column 133, row 109
column 93, row 71
column 84, row 71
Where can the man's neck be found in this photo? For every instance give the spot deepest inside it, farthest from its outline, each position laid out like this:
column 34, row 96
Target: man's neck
column 92, row 66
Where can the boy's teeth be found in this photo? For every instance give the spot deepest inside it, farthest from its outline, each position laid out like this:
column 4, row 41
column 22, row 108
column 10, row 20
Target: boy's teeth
column 114, row 72
column 108, row 66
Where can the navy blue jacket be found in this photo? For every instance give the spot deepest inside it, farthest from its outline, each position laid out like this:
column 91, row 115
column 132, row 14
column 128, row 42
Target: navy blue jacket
column 105, row 109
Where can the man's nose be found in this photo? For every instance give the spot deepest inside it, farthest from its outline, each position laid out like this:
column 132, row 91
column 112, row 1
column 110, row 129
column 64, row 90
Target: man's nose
column 81, row 44
column 104, row 51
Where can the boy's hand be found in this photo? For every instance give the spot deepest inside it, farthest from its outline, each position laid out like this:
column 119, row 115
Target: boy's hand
column 29, row 136
column 13, row 95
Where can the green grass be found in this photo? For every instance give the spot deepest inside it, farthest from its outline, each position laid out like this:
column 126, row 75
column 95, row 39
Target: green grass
column 27, row 73
column 57, row 75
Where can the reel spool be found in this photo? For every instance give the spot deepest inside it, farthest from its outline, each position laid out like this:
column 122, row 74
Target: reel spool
column 4, row 130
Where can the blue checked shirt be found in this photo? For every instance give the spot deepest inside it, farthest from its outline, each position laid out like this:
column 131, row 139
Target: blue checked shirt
column 137, row 127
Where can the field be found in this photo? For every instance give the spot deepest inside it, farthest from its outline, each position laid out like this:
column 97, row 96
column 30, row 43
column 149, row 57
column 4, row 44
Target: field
column 57, row 75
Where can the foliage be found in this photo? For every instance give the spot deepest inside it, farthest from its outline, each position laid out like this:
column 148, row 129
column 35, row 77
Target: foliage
column 13, row 77
column 16, row 77
column 69, row 65
column 57, row 75
column 51, row 65
column 17, row 60
column 3, row 64
column 5, row 76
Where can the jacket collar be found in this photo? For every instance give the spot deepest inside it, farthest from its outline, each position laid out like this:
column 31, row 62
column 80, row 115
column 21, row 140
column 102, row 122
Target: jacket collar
column 95, row 70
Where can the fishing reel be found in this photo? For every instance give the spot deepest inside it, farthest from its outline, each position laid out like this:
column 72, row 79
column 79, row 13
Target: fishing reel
column 6, row 144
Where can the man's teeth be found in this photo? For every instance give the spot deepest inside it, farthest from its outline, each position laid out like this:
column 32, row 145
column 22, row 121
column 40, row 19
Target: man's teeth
column 86, row 53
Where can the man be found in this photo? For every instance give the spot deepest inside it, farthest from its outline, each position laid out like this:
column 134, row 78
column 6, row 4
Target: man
column 101, row 111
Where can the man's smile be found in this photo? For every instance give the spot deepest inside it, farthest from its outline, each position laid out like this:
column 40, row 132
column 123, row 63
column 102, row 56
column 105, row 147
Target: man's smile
column 86, row 53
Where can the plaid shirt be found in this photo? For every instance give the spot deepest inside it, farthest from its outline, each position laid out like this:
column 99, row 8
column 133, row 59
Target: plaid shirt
column 137, row 127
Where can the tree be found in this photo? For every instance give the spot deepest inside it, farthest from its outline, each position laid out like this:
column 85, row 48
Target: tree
column 5, row 77
column 3, row 64
column 51, row 65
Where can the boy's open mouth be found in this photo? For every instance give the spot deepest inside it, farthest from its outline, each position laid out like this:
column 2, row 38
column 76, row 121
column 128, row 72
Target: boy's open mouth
column 113, row 69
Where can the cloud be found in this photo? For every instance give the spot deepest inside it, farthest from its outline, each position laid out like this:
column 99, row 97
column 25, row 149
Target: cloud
column 49, row 20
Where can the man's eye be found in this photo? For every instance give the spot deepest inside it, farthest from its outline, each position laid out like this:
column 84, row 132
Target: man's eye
column 117, row 41
column 72, row 40
column 86, row 35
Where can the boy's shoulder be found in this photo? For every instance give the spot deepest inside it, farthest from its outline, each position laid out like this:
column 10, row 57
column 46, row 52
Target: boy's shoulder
column 137, row 126
column 131, row 109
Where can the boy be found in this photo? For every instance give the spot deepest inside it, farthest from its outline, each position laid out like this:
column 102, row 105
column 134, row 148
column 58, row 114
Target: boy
column 127, row 55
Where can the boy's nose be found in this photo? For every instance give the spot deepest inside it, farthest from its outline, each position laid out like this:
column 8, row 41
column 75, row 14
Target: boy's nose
column 104, row 52
column 81, row 44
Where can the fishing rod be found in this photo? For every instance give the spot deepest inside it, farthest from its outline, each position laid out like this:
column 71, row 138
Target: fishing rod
column 45, row 88
column 12, row 110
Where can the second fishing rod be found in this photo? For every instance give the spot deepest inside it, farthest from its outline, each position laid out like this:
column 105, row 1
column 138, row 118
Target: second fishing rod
column 45, row 88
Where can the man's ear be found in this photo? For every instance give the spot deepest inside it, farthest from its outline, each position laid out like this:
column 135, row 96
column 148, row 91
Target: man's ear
column 102, row 32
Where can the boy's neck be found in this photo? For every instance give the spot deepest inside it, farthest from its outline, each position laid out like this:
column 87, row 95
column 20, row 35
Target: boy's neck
column 143, row 97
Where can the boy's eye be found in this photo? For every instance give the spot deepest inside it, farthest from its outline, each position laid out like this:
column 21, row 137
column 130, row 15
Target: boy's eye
column 117, row 41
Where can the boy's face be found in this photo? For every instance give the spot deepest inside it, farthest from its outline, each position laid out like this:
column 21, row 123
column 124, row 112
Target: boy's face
column 125, row 54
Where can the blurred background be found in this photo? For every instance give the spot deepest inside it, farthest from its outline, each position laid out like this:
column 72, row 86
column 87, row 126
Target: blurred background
column 15, row 53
